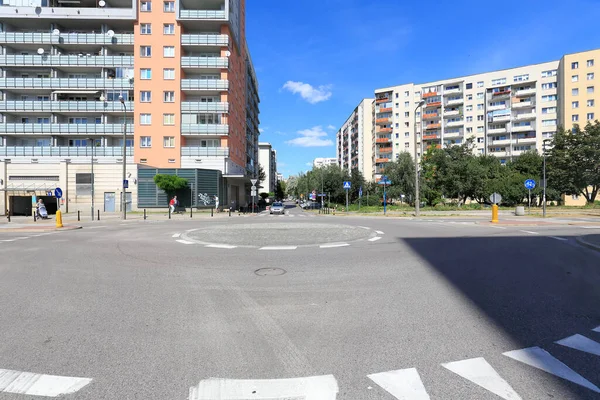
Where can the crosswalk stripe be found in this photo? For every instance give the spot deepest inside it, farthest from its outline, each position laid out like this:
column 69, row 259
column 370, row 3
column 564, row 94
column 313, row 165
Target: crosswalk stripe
column 403, row 384
column 539, row 358
column 374, row 239
column 32, row 384
column 480, row 372
column 185, row 241
column 579, row 342
column 310, row 388
column 333, row 245
column 221, row 246
column 279, row 248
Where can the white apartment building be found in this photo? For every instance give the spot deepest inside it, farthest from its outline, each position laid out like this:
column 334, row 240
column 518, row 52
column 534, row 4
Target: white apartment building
column 267, row 159
column 324, row 162
column 506, row 112
column 354, row 146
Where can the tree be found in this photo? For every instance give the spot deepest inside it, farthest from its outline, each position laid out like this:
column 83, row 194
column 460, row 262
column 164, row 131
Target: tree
column 170, row 183
column 262, row 176
column 402, row 174
column 357, row 181
column 280, row 190
column 574, row 162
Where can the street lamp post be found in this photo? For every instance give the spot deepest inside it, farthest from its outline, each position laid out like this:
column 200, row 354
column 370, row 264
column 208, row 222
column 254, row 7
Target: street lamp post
column 417, row 200
column 124, row 189
column 92, row 166
column 544, row 179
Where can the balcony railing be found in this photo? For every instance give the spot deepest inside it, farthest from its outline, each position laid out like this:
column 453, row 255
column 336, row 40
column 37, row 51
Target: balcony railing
column 429, row 94
column 39, row 151
column 525, row 92
column 207, row 129
column 199, row 39
column 454, row 102
column 65, row 38
column 64, row 106
column 66, row 60
column 200, row 106
column 65, row 83
column 524, row 116
column 202, row 14
column 432, row 126
column 65, row 129
column 452, row 91
column 434, row 104
column 205, row 151
column 451, row 113
column 204, row 62
column 384, row 130
column 385, row 150
column 385, row 110
column 497, row 107
column 454, row 123
column 383, row 140
column 431, row 137
column 380, row 121
column 204, row 84
column 382, row 160
column 496, row 131
column 523, row 128
column 431, row 115
column 382, row 100
column 523, row 104
column 501, row 93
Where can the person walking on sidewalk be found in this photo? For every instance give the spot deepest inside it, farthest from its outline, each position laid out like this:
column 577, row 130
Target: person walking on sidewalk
column 217, row 203
column 173, row 204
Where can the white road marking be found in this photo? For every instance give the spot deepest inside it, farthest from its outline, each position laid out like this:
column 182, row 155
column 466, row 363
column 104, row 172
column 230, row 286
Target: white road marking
column 221, row 246
column 97, row 227
column 497, row 227
column 530, row 232
column 597, row 329
column 591, row 227
column 580, row 342
column 363, row 227
column 374, row 239
column 39, row 385
column 379, row 233
column 480, row 372
column 558, row 238
column 279, row 248
column 403, row 384
column 332, row 245
column 541, row 359
column 185, row 241
column 310, row 388
column 176, row 235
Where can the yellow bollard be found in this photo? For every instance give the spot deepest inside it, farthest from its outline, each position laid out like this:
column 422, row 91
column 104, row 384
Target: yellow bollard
column 59, row 223
column 495, row 213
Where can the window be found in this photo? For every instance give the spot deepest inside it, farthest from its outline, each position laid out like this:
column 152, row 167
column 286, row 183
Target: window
column 397, row 105
column 406, row 134
column 549, row 110
column 590, row 103
column 168, row 6
column 145, row 96
column 480, row 95
column 406, row 146
column 169, row 97
column 574, row 65
column 575, row 118
column 406, row 115
column 500, row 81
column 146, row 73
column 169, row 51
column 169, row 141
column 480, row 118
column 480, row 106
column 575, row 104
column 574, row 92
column 145, row 51
column 469, row 119
column 145, row 141
column 590, row 76
column 547, row 74
column 573, row 196
column 480, row 140
column 521, row 78
column 172, row 160
column 168, row 119
column 480, row 84
column 550, row 85
column 590, row 116
column 469, row 86
column 469, row 97
column 397, row 126
column 406, row 104
column 168, row 73
column 590, row 63
column 469, row 130
column 575, row 78
column 146, row 6
column 548, row 122
column 83, row 184
column 397, row 134
column 396, row 95
column 145, row 119
column 480, row 129
column 406, row 94
column 43, row 120
column 469, row 108
column 590, row 89
column 550, row 97
column 169, row 29
column 143, row 160
column 397, row 115
column 146, row 29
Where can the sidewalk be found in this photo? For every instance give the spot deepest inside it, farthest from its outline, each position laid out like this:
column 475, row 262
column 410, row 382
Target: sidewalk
column 590, row 241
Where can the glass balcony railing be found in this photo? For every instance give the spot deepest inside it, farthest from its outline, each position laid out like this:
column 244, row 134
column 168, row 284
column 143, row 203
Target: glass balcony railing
column 204, row 62
column 202, row 14
column 205, row 151
column 208, row 129
column 204, row 39
column 204, row 84
column 65, row 129
column 198, row 106
column 39, row 151
column 66, row 60
column 65, row 106
column 66, row 38
column 65, row 83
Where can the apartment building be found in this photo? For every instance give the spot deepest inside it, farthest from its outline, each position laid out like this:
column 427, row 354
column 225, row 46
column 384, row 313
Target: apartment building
column 169, row 83
column 268, row 160
column 354, row 147
column 321, row 162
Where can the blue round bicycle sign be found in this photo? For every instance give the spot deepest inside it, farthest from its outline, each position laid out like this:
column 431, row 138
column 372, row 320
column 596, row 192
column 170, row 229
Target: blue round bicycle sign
column 529, row 184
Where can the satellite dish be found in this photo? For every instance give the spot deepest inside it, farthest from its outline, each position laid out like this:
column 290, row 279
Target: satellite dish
column 130, row 74
column 101, row 3
column 40, row 51
column 56, row 32
column 110, row 33
column 227, row 53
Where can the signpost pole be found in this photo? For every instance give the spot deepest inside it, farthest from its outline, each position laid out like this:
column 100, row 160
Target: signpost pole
column 529, row 205
column 346, row 200
column 384, row 200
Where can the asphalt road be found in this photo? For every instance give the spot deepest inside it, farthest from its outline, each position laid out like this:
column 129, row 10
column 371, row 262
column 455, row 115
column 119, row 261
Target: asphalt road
column 368, row 308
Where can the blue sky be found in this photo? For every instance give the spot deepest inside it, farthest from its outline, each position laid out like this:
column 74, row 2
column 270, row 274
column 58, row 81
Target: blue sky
column 316, row 59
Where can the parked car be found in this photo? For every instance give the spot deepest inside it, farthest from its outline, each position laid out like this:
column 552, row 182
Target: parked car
column 277, row 208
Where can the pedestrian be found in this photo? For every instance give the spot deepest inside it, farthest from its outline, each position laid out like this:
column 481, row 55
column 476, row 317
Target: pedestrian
column 173, row 204
column 217, row 203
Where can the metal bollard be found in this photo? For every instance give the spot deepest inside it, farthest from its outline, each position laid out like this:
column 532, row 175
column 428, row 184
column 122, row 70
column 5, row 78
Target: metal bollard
column 78, row 215
column 211, row 211
column 169, row 212
column 144, row 214
column 230, row 211
column 34, row 216
column 98, row 215
column 191, row 212
column 8, row 214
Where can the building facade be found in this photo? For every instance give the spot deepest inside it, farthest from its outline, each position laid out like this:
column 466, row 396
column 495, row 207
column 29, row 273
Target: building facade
column 324, row 162
column 172, row 82
column 354, row 140
column 268, row 160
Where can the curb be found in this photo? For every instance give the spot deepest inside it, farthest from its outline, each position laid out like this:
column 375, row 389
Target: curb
column 587, row 244
column 41, row 230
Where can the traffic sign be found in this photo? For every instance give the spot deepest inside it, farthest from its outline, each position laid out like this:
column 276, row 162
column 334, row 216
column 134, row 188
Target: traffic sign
column 495, row 198
column 253, row 187
column 347, row 185
column 253, row 181
column 385, row 182
column 58, row 193
column 529, row 184
column 125, row 184
column 253, row 193
column 360, row 192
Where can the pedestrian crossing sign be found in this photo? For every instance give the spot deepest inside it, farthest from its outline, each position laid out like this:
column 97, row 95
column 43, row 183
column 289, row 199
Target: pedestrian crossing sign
column 347, row 185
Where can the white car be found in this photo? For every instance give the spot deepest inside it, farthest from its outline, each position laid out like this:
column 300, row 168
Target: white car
column 277, row 208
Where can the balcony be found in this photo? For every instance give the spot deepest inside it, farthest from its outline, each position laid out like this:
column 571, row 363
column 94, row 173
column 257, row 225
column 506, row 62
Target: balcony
column 65, row 129
column 198, row 39
column 26, row 9
column 204, row 129
column 385, row 110
column 204, row 84
column 432, row 126
column 382, row 100
column 452, row 91
column 66, row 38
column 204, row 62
column 433, row 104
column 455, row 102
column 525, row 116
column 429, row 94
column 382, row 160
column 65, row 83
column 501, row 118
column 525, row 92
column 200, row 106
column 64, row 106
column 453, row 134
column 523, row 104
column 435, row 146
column 500, row 142
column 66, row 60
column 530, row 139
column 499, row 153
column 202, row 14
column 496, row 131
column 383, row 140
column 523, row 128
column 189, row 151
column 501, row 93
column 38, row 151
column 451, row 113
column 431, row 115
column 385, row 150
column 384, row 130
column 497, row 107
column 383, row 121
column 451, row 124
column 434, row 136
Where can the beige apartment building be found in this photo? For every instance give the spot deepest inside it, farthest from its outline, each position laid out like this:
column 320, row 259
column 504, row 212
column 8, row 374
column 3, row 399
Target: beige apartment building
column 506, row 112
column 354, row 146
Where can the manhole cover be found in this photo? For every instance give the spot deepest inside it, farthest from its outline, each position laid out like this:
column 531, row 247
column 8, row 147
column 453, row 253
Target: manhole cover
column 270, row 271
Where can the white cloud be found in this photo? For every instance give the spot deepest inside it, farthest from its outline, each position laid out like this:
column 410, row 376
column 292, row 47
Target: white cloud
column 308, row 92
column 309, row 164
column 313, row 137
column 331, row 127
column 261, row 130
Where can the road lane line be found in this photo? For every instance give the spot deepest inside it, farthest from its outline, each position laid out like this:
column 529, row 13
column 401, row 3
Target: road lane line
column 497, row 227
column 176, row 235
column 363, row 227
column 185, row 241
column 480, row 372
column 379, row 233
column 374, row 239
column 403, row 384
column 333, row 245
column 539, row 358
column 279, row 248
column 221, row 246
column 582, row 343
column 558, row 238
column 590, row 227
column 530, row 232
column 97, row 227
column 310, row 388
column 32, row 384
